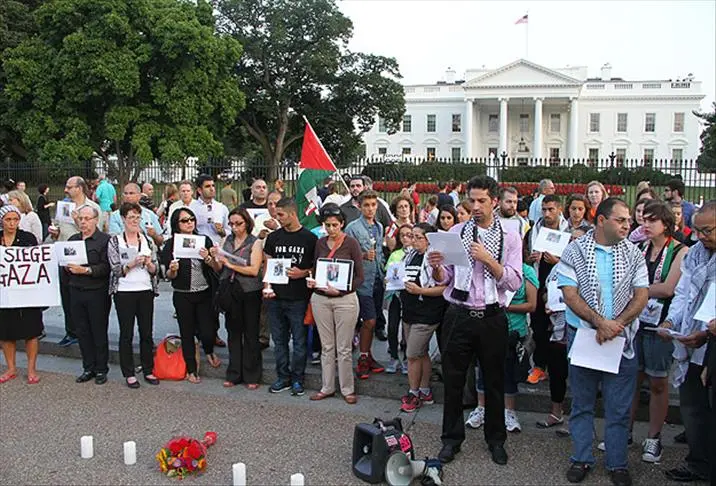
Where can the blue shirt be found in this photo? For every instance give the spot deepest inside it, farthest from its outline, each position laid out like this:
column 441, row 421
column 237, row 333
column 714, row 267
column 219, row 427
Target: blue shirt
column 105, row 195
column 605, row 270
column 116, row 225
column 372, row 270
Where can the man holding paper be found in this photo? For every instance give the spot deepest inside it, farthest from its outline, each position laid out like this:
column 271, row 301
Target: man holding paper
column 691, row 311
column 605, row 284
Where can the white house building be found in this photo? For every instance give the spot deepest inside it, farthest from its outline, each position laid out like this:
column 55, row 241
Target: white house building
column 527, row 111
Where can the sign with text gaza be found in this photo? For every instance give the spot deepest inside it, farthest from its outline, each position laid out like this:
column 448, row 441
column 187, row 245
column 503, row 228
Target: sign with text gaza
column 29, row 277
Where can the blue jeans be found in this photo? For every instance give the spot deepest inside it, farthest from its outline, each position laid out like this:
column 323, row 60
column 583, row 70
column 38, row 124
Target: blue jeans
column 286, row 321
column 617, row 393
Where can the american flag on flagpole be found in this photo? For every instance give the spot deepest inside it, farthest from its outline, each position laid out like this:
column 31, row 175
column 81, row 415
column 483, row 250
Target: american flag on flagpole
column 522, row 20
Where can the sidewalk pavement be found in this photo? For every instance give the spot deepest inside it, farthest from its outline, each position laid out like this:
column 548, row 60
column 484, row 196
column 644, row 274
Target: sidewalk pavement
column 274, row 435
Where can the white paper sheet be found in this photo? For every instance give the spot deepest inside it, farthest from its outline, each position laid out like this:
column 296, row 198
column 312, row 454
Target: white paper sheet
column 71, row 252
column 63, row 213
column 277, row 270
column 555, row 299
column 707, row 311
column 127, row 255
column 188, row 246
column 551, row 241
column 337, row 273
column 450, row 245
column 586, row 352
column 395, row 276
column 508, row 297
column 236, row 260
column 670, row 332
column 256, row 212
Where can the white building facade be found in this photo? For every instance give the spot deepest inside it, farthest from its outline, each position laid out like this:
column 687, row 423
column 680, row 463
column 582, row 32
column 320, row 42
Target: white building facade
column 526, row 112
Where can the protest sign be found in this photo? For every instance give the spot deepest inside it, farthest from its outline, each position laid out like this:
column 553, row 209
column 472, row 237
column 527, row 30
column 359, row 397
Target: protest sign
column 29, row 277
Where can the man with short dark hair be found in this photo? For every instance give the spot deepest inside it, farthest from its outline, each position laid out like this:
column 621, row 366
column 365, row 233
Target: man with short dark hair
column 545, row 187
column 287, row 303
column 605, row 284
column 674, row 192
column 212, row 217
column 444, row 198
column 228, row 195
column 506, row 211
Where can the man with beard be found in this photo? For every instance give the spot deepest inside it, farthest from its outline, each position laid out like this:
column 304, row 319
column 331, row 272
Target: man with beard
column 506, row 211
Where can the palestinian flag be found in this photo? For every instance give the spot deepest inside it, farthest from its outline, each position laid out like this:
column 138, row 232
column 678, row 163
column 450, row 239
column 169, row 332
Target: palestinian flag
column 315, row 166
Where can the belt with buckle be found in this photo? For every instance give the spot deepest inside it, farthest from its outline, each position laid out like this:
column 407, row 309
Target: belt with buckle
column 489, row 311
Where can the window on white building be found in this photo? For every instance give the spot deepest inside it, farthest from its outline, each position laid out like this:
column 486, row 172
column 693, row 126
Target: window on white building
column 456, row 153
column 524, row 123
column 381, row 124
column 431, row 125
column 492, row 152
column 593, row 156
column 407, row 123
column 677, row 157
column 620, row 157
column 554, row 156
column 594, row 122
column 430, row 153
column 555, row 123
column 678, row 122
column 382, row 150
column 456, row 122
column 493, row 123
column 406, row 151
column 650, row 122
column 621, row 122
column 648, row 156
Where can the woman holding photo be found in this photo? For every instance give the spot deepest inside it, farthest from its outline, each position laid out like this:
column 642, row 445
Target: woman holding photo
column 192, row 282
column 133, row 283
column 240, row 276
column 336, row 311
column 405, row 243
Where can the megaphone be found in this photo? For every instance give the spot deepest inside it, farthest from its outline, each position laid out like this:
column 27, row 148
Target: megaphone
column 400, row 470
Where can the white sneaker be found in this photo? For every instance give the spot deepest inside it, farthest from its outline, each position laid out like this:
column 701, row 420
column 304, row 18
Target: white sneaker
column 512, row 424
column 393, row 366
column 651, row 450
column 603, row 447
column 476, row 418
column 404, row 365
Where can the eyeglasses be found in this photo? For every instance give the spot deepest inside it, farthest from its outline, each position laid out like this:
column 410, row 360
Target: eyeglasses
column 704, row 231
column 187, row 220
column 236, row 223
column 622, row 220
column 133, row 217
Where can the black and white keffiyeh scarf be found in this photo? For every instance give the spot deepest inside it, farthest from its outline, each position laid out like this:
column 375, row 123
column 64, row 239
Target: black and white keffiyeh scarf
column 579, row 263
column 493, row 241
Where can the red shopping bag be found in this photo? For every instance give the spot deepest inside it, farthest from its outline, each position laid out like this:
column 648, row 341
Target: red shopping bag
column 168, row 360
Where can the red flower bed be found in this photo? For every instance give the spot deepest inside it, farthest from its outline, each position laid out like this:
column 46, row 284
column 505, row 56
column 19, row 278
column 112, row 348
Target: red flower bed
column 524, row 188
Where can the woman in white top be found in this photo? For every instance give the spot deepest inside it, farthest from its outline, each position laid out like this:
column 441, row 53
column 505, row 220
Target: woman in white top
column 30, row 221
column 133, row 282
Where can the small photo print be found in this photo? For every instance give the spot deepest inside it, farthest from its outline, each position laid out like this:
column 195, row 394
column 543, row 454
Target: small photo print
column 189, row 243
column 66, row 211
column 278, row 269
column 70, row 251
column 553, row 237
column 124, row 255
column 332, row 272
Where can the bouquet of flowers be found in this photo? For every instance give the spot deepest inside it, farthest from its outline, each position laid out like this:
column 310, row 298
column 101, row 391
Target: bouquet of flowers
column 183, row 456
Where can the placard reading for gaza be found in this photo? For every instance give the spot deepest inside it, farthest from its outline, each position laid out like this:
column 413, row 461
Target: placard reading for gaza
column 29, row 277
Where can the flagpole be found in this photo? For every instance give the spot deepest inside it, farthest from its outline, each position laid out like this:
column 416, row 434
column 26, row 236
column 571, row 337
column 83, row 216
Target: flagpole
column 324, row 149
column 527, row 36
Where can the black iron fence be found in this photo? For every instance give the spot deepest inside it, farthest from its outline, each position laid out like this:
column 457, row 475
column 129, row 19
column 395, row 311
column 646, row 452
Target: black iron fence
column 390, row 175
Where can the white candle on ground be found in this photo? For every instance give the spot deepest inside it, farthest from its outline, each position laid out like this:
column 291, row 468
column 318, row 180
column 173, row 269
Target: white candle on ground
column 297, row 480
column 86, row 447
column 130, row 453
column 239, row 470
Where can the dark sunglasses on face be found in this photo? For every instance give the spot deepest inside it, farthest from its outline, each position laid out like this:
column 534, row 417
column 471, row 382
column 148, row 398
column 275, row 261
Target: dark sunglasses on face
column 187, row 220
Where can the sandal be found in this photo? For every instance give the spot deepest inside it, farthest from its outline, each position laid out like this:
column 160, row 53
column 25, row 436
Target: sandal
column 253, row 386
column 229, row 384
column 193, row 378
column 33, row 379
column 552, row 421
column 321, row 396
column 7, row 377
column 351, row 399
column 214, row 362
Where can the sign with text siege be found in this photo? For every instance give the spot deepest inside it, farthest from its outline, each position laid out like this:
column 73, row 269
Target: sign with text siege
column 29, row 277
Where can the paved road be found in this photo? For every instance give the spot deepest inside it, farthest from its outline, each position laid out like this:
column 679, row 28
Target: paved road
column 276, row 436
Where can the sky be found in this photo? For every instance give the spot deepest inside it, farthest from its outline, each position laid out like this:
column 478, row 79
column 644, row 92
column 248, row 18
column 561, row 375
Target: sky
column 642, row 40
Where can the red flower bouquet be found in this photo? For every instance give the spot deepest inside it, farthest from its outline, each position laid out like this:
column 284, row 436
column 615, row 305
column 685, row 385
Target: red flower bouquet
column 183, row 456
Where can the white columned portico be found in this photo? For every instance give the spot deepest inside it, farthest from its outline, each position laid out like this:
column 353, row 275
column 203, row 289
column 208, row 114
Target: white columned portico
column 469, row 115
column 573, row 132
column 503, row 126
column 538, row 129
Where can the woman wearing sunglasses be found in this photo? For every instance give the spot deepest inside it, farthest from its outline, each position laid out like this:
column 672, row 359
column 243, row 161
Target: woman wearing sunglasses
column 192, row 280
column 336, row 311
column 240, row 299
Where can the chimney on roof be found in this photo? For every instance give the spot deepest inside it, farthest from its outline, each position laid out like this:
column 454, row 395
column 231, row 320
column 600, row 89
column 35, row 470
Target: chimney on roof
column 606, row 72
column 450, row 76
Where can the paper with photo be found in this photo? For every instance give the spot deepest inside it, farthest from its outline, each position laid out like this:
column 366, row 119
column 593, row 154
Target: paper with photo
column 395, row 276
column 586, row 352
column 707, row 311
column 450, row 245
column 336, row 273
column 551, row 241
column 256, row 212
column 673, row 334
column 63, row 213
column 127, row 255
column 71, row 252
column 236, row 260
column 277, row 270
column 188, row 246
column 555, row 299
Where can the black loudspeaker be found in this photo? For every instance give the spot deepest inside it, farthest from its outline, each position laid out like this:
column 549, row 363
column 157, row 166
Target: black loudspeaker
column 372, row 446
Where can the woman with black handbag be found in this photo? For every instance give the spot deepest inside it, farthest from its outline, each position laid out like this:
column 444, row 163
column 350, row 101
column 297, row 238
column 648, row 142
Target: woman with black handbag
column 239, row 297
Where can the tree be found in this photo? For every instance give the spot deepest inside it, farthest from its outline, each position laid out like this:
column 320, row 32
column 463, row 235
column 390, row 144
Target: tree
column 706, row 161
column 296, row 62
column 128, row 81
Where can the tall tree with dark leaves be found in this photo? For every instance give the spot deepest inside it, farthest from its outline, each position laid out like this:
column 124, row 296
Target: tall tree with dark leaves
column 706, row 162
column 128, row 81
column 296, row 63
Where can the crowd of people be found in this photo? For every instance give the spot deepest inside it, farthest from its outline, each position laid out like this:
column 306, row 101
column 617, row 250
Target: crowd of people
column 640, row 272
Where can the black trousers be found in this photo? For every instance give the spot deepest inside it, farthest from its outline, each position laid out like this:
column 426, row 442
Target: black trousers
column 139, row 306
column 195, row 314
column 395, row 311
column 558, row 368
column 539, row 321
column 465, row 334
column 66, row 304
column 242, row 325
column 90, row 311
column 378, row 295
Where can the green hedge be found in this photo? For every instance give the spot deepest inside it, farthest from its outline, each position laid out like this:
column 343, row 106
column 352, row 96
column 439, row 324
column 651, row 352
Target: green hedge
column 424, row 172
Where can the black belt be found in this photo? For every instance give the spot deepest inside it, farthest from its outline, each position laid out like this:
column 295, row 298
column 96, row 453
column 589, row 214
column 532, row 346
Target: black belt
column 489, row 310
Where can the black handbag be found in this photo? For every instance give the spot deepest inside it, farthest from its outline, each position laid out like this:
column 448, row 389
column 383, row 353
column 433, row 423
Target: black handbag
column 228, row 292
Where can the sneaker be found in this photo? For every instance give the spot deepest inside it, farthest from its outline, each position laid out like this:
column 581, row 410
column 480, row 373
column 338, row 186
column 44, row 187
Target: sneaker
column 603, row 447
column 68, row 341
column 375, row 367
column 620, row 477
column 404, row 366
column 651, row 450
column 512, row 424
column 363, row 368
column 427, row 399
column 393, row 366
column 476, row 418
column 577, row 472
column 536, row 375
column 297, row 389
column 410, row 403
column 279, row 386
column 315, row 358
